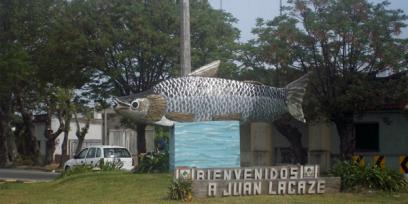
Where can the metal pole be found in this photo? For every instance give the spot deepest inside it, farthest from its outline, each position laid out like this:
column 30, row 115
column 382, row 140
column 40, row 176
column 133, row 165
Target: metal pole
column 280, row 7
column 185, row 59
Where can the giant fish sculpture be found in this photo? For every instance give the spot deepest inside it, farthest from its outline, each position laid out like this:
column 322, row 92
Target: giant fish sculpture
column 200, row 97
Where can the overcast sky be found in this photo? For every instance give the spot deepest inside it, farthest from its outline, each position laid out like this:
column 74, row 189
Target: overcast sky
column 246, row 11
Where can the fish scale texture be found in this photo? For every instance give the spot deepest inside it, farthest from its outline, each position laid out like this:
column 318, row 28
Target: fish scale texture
column 206, row 98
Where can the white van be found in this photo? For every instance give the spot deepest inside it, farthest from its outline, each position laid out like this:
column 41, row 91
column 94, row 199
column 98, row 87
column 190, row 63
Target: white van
column 94, row 154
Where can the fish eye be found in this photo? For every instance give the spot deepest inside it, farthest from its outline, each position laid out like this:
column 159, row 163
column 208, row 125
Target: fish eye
column 134, row 104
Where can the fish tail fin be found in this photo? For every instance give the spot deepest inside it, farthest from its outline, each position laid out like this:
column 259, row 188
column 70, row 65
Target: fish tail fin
column 294, row 98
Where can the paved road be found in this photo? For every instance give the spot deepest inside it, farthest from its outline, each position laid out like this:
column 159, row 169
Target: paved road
column 26, row 175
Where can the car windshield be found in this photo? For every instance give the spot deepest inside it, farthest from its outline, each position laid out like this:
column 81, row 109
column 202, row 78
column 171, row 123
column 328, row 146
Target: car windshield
column 115, row 152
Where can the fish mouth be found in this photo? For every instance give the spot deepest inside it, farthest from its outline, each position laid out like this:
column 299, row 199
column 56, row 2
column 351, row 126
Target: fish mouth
column 118, row 104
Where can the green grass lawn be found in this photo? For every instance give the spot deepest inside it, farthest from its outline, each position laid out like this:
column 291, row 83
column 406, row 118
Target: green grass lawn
column 117, row 187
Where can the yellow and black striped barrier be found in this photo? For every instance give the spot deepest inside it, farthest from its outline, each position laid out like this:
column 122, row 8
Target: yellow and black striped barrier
column 379, row 161
column 359, row 159
column 403, row 164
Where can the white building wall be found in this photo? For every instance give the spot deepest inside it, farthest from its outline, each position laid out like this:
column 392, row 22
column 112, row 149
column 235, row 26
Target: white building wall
column 39, row 134
column 94, row 133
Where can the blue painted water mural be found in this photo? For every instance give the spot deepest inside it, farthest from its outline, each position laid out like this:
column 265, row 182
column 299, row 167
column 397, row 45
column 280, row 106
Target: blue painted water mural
column 205, row 144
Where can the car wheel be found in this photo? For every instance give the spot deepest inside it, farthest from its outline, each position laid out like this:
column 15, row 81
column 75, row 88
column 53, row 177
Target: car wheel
column 67, row 168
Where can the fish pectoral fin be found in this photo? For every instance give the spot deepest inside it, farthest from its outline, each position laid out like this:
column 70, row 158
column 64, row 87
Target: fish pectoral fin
column 180, row 117
column 164, row 122
column 209, row 70
column 157, row 107
column 231, row 116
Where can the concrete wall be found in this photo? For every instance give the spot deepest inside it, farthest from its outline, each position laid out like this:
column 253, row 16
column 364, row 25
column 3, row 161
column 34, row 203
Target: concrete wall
column 39, row 134
column 393, row 136
column 280, row 144
column 263, row 145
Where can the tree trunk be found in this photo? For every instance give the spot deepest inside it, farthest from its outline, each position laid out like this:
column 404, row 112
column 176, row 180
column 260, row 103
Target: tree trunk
column 293, row 135
column 3, row 142
column 12, row 147
column 64, row 146
column 141, row 138
column 8, row 151
column 81, row 132
column 30, row 148
column 27, row 143
column 51, row 136
column 345, row 128
column 79, row 145
column 49, row 151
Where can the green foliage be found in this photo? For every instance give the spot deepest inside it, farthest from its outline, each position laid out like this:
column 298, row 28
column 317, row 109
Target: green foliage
column 110, row 166
column 24, row 160
column 180, row 189
column 355, row 177
column 103, row 166
column 341, row 41
column 161, row 138
column 153, row 162
column 121, row 187
column 81, row 169
column 41, row 63
column 345, row 44
column 50, row 48
column 135, row 44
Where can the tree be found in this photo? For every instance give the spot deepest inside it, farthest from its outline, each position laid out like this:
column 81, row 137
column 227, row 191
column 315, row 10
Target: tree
column 135, row 44
column 21, row 23
column 81, row 132
column 55, row 105
column 345, row 43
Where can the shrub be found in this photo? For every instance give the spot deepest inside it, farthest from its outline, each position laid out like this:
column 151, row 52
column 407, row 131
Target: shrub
column 153, row 162
column 355, row 177
column 77, row 170
column 180, row 189
column 103, row 166
column 110, row 166
column 24, row 160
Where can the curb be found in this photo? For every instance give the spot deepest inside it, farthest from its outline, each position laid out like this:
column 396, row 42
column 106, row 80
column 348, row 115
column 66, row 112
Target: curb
column 37, row 168
column 4, row 181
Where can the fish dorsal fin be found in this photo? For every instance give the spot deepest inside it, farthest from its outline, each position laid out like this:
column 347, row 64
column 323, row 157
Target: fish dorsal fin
column 253, row 82
column 209, row 70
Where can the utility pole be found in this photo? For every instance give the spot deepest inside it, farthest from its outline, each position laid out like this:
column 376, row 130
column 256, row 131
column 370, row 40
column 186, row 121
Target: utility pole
column 185, row 58
column 280, row 7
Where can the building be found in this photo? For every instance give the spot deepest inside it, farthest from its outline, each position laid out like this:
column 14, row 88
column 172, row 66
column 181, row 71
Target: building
column 104, row 129
column 381, row 137
column 378, row 134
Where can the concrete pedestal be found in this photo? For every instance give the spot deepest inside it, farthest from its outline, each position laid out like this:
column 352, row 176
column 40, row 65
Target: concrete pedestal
column 319, row 145
column 256, row 144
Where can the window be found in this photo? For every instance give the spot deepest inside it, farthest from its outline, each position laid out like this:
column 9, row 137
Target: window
column 91, row 153
column 98, row 152
column 82, row 154
column 115, row 152
column 367, row 137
